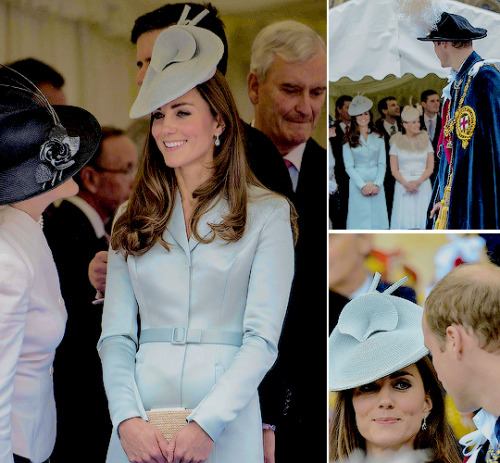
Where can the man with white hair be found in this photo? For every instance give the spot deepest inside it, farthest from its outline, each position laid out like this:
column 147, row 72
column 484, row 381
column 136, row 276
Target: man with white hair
column 287, row 86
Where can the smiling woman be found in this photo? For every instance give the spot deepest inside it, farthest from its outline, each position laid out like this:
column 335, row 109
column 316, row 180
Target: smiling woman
column 203, row 257
column 389, row 398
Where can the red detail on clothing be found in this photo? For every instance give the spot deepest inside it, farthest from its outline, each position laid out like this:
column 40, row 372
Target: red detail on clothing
column 287, row 162
column 442, row 139
column 464, row 122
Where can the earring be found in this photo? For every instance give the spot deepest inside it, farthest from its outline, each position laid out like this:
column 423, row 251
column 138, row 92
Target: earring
column 424, row 424
column 217, row 141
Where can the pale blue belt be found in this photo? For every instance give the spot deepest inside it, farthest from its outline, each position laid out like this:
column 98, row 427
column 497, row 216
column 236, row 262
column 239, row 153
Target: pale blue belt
column 183, row 335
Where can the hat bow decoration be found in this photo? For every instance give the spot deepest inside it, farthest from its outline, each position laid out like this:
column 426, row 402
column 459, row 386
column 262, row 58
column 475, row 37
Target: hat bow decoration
column 56, row 155
column 383, row 318
column 179, row 48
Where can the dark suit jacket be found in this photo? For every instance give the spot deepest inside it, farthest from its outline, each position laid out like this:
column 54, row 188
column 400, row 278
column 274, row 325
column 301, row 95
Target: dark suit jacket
column 434, row 141
column 339, row 201
column 291, row 394
column 389, row 180
column 82, row 406
column 266, row 162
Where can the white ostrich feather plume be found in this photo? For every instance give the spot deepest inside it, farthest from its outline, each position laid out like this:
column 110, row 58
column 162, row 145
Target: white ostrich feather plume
column 420, row 16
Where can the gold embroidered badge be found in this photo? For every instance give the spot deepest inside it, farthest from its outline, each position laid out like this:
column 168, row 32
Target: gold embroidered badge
column 465, row 124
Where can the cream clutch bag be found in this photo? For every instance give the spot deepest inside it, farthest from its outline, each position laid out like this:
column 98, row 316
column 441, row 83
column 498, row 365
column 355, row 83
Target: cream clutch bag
column 168, row 420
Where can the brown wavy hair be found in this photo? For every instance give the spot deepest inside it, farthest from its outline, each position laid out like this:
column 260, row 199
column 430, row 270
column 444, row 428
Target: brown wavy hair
column 153, row 196
column 353, row 134
column 438, row 438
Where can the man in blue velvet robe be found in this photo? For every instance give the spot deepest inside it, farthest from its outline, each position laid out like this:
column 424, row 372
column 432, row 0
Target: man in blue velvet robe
column 469, row 145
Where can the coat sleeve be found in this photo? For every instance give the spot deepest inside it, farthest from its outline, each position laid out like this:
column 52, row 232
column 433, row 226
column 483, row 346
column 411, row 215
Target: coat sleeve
column 118, row 343
column 381, row 163
column 268, row 292
column 349, row 166
column 15, row 280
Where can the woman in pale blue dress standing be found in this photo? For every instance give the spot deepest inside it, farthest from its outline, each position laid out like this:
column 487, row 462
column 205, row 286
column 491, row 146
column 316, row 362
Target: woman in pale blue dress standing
column 364, row 159
column 203, row 255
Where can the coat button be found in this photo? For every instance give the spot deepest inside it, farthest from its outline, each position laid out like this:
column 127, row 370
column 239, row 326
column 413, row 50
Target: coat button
column 51, row 370
column 61, row 301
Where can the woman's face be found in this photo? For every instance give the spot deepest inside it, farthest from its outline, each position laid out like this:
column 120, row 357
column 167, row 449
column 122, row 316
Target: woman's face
column 185, row 131
column 412, row 128
column 363, row 119
column 389, row 411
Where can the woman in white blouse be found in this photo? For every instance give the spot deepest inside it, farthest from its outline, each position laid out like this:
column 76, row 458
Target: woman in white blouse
column 41, row 148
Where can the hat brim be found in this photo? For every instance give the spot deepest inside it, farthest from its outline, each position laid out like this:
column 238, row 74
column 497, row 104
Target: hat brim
column 447, row 39
column 360, row 378
column 18, row 182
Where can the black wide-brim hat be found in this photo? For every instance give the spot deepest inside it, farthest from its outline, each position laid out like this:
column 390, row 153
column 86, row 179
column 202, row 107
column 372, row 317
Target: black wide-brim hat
column 454, row 28
column 39, row 150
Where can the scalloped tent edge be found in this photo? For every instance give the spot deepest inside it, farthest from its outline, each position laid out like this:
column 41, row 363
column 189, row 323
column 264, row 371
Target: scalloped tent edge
column 365, row 39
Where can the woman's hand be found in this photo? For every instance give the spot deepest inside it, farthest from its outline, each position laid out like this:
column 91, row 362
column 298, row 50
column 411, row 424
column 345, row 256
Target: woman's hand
column 97, row 271
column 412, row 187
column 190, row 444
column 367, row 190
column 375, row 190
column 142, row 442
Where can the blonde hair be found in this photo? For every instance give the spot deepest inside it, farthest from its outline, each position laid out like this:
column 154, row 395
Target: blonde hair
column 292, row 41
column 469, row 295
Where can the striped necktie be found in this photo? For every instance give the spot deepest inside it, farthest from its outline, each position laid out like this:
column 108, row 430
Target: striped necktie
column 493, row 454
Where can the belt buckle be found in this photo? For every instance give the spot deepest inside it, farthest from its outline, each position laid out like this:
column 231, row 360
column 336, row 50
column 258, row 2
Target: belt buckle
column 179, row 335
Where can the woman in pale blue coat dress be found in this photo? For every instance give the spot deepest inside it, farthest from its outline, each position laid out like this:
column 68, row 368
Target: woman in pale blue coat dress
column 204, row 256
column 365, row 163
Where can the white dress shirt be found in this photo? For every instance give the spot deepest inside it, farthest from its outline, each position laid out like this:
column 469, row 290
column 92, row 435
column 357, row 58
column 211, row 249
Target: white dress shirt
column 295, row 157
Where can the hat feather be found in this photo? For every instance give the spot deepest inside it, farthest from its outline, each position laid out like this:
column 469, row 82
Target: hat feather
column 420, row 16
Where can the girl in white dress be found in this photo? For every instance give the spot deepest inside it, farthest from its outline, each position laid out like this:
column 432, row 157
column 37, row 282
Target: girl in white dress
column 412, row 163
column 364, row 159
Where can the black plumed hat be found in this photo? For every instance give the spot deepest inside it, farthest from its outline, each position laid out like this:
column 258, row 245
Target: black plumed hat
column 453, row 28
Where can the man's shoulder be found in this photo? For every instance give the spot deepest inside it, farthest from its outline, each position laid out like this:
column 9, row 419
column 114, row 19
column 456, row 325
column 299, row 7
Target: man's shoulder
column 313, row 146
column 256, row 138
column 66, row 219
column 64, row 212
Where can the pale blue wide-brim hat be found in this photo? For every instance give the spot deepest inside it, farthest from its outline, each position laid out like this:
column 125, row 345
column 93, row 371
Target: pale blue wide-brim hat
column 359, row 105
column 376, row 335
column 183, row 57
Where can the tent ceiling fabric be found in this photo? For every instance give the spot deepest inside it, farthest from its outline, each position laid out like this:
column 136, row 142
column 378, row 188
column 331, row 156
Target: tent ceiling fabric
column 367, row 39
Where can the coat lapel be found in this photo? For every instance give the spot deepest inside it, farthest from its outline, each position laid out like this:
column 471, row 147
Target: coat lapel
column 214, row 215
column 176, row 226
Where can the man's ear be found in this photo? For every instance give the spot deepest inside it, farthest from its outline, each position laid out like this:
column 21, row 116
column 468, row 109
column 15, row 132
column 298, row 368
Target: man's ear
column 454, row 339
column 253, row 87
column 90, row 179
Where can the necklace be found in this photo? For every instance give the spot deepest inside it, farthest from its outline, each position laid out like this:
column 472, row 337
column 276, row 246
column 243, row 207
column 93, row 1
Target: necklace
column 442, row 219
